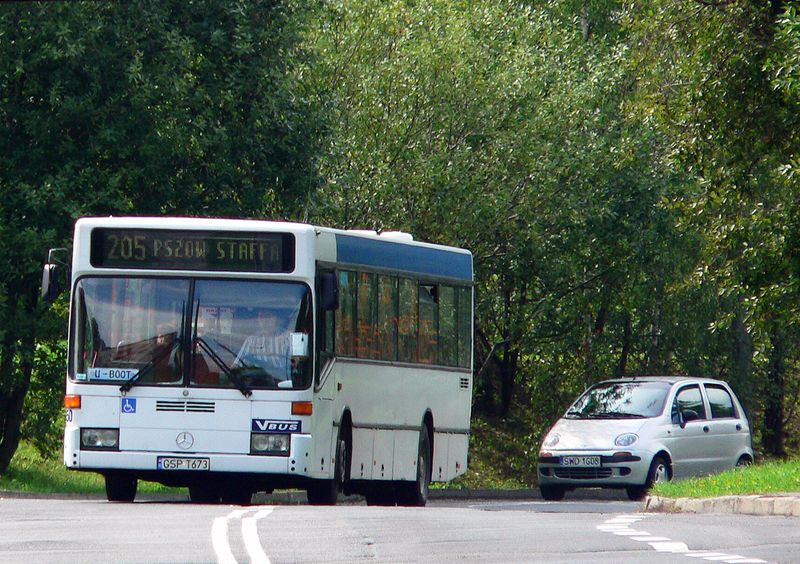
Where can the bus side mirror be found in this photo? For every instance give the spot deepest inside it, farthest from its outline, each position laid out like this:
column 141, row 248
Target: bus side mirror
column 328, row 291
column 51, row 278
column 50, row 289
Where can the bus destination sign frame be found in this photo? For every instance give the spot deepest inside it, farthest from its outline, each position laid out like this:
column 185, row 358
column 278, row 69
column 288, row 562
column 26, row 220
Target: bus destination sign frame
column 167, row 249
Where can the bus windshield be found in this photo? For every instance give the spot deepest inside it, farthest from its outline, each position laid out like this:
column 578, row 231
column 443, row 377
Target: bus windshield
column 192, row 332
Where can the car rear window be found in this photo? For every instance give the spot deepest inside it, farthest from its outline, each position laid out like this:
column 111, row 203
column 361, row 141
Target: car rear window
column 720, row 401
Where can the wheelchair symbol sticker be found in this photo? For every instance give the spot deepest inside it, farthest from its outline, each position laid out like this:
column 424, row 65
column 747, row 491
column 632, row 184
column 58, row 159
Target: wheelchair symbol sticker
column 128, row 405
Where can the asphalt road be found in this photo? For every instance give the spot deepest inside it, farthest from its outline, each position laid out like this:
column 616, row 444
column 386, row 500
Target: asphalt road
column 577, row 530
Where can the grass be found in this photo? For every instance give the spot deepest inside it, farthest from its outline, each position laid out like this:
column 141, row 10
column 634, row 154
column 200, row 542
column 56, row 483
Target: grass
column 30, row 472
column 767, row 478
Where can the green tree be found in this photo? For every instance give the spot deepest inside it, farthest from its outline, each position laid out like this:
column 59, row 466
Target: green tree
column 717, row 78
column 138, row 108
column 498, row 127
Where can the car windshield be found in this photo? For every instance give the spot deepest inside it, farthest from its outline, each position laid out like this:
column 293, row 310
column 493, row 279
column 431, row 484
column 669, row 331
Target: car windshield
column 620, row 400
column 146, row 331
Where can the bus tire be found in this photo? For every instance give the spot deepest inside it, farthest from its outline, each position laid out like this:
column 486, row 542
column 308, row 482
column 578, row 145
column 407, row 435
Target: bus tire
column 120, row 487
column 326, row 492
column 415, row 494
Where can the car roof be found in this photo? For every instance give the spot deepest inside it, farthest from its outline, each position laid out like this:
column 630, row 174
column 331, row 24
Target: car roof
column 665, row 379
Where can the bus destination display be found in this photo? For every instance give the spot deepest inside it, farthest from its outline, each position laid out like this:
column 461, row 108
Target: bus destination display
column 192, row 250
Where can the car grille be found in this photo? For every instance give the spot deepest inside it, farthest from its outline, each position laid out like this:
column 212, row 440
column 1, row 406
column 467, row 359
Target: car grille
column 583, row 473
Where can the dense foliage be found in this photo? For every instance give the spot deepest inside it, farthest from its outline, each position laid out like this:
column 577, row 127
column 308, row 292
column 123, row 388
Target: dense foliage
column 188, row 108
column 625, row 174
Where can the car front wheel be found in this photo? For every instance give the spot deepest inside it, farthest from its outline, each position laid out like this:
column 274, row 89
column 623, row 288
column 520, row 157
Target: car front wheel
column 659, row 472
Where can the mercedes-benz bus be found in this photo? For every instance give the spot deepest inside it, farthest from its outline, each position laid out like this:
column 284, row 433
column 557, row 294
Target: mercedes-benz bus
column 364, row 387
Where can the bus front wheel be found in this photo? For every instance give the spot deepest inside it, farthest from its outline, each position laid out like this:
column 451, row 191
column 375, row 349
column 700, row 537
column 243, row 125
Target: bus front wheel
column 121, row 487
column 326, row 492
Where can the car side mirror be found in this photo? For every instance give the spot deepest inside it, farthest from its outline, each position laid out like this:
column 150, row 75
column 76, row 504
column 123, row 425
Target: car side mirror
column 687, row 415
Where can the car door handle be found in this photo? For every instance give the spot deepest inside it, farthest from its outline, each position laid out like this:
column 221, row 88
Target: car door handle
column 738, row 426
column 706, row 429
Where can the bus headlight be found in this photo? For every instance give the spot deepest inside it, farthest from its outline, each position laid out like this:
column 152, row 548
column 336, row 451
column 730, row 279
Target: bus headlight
column 100, row 439
column 269, row 443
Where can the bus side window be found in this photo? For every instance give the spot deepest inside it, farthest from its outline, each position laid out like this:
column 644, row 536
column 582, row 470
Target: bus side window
column 387, row 317
column 407, row 321
column 428, row 323
column 346, row 315
column 366, row 319
column 448, row 327
column 464, row 327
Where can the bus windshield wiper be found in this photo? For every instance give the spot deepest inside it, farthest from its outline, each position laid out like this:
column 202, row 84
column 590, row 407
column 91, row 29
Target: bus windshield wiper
column 232, row 374
column 126, row 387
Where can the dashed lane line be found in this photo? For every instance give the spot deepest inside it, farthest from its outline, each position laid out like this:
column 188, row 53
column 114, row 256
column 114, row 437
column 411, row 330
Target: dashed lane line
column 621, row 526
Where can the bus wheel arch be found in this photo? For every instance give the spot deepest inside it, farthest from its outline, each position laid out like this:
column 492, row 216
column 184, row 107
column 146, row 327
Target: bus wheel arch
column 415, row 493
column 344, row 451
column 326, row 491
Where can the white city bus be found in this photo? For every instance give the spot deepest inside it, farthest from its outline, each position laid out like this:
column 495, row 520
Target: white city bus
column 366, row 389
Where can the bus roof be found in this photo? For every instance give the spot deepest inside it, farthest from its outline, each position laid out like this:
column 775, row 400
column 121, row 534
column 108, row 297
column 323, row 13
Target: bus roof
column 358, row 248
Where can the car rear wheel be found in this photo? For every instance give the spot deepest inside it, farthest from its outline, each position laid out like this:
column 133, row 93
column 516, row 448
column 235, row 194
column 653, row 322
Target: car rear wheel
column 659, row 472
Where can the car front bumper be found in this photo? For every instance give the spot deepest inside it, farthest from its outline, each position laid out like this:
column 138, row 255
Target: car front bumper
column 615, row 469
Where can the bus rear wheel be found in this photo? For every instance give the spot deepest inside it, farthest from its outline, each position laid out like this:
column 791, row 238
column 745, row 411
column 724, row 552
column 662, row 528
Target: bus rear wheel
column 121, row 487
column 415, row 494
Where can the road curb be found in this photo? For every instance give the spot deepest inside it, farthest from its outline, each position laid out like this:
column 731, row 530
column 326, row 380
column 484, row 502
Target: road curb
column 782, row 505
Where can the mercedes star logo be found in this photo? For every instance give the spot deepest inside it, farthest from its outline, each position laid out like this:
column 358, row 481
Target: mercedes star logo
column 184, row 440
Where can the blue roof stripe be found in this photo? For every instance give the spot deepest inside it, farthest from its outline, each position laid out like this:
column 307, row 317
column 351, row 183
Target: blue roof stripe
column 408, row 258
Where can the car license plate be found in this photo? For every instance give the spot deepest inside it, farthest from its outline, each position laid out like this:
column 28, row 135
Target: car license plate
column 580, row 461
column 175, row 463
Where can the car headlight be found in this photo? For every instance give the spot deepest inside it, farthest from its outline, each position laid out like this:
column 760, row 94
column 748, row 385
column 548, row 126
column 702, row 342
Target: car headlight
column 551, row 440
column 626, row 439
column 270, row 443
column 100, row 439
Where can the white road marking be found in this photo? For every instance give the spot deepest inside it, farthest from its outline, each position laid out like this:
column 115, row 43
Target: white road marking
column 669, row 546
column 250, row 535
column 219, row 536
column 620, row 526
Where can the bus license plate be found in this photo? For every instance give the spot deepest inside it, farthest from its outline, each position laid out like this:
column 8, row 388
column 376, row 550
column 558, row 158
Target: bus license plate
column 580, row 461
column 175, row 463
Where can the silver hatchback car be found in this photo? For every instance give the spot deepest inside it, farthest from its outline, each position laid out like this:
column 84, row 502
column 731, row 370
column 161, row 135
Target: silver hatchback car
column 633, row 432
